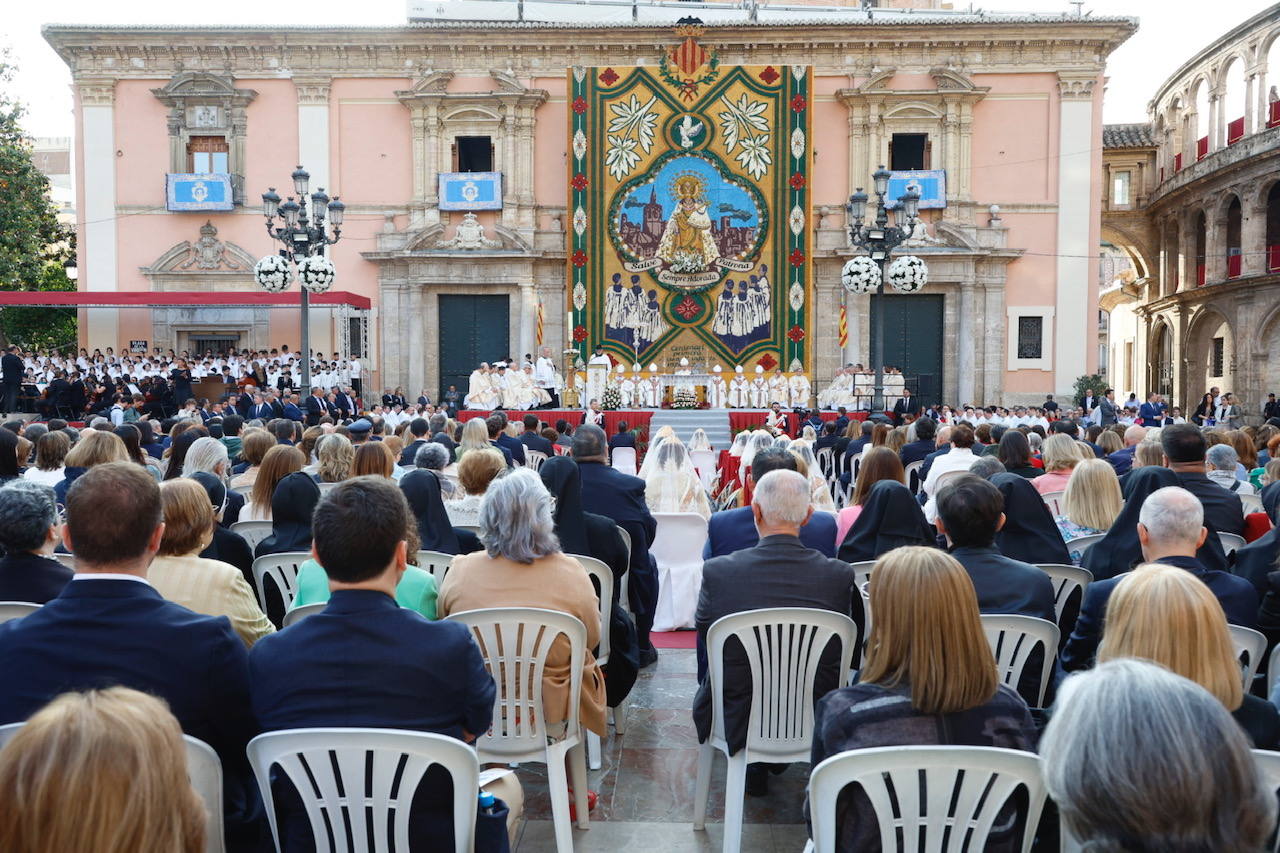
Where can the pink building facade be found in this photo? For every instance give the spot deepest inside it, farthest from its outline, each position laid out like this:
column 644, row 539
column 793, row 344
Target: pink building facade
column 1007, row 109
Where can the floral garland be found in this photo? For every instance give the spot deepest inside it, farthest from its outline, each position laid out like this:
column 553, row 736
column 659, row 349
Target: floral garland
column 908, row 274
column 316, row 273
column 860, row 275
column 688, row 88
column 273, row 274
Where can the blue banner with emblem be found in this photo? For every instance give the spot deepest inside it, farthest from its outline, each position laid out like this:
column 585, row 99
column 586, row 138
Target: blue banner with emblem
column 199, row 192
column 471, row 191
column 930, row 183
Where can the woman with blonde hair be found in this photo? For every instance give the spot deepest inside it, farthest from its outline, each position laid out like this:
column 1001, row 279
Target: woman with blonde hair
column 103, row 771
column 94, row 448
column 1091, row 504
column 254, row 445
column 475, row 436
column 929, row 679
column 280, row 461
column 1167, row 615
column 181, row 575
column 335, row 454
column 373, row 458
column 1061, row 453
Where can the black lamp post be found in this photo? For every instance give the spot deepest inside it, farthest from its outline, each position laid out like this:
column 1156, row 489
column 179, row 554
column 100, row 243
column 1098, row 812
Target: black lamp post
column 302, row 237
column 879, row 239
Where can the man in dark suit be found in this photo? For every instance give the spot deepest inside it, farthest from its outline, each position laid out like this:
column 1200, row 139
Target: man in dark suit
column 291, row 410
column 854, row 449
column 842, row 420
column 1108, row 409
column 1271, row 409
column 917, row 450
column 28, row 534
column 316, row 408
column 261, row 409
column 733, row 530
column 110, row 627
column 621, row 497
column 345, row 403
column 418, row 428
column 1122, row 459
column 499, row 437
column 532, row 441
column 1184, row 448
column 777, row 571
column 1087, row 401
column 905, row 405
column 13, row 369
column 942, row 441
column 366, row 662
column 1171, row 530
column 826, row 437
column 621, row 438
column 1151, row 413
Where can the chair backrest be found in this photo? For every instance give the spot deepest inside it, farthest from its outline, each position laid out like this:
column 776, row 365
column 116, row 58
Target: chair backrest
column 936, row 798
column 944, row 479
column 515, row 642
column 1066, row 580
column 1251, row 503
column 1013, row 639
column 325, row 488
column 602, row 576
column 297, row 614
column 1268, row 764
column 1081, row 544
column 533, row 459
column 474, row 528
column 435, row 562
column 624, row 459
column 1231, row 542
column 1250, row 646
column 679, row 538
column 204, row 770
column 1053, row 500
column 913, row 476
column 242, row 490
column 826, row 462
column 862, row 571
column 252, row 532
column 359, row 783
column 783, row 646
column 1273, row 669
column 17, row 609
column 282, row 569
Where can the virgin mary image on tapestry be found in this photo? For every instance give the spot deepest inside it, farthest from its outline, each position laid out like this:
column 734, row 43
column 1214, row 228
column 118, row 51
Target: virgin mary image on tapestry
column 690, row 218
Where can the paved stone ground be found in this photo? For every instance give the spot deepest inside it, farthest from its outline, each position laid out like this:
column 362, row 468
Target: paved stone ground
column 647, row 778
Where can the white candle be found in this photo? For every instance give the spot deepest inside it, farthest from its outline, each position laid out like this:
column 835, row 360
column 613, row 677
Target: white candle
column 568, row 323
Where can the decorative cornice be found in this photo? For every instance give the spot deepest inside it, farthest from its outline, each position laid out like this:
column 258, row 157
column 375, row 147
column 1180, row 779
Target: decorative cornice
column 1076, row 87
column 431, row 87
column 202, row 87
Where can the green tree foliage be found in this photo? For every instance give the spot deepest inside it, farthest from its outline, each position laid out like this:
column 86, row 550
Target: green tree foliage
column 35, row 249
column 1091, row 382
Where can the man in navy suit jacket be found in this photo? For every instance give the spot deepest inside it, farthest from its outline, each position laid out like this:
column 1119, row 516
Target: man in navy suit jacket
column 1171, row 530
column 621, row 497
column 496, row 423
column 366, row 662
column 316, row 407
column 532, row 440
column 917, row 450
column 621, row 438
column 110, row 627
column 735, row 529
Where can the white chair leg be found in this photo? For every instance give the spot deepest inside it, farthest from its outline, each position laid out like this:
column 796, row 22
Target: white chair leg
column 593, row 750
column 734, row 793
column 578, row 773
column 558, row 790
column 702, row 789
column 620, row 719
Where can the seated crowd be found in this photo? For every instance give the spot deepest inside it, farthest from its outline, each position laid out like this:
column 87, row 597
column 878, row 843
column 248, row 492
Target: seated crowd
column 914, row 534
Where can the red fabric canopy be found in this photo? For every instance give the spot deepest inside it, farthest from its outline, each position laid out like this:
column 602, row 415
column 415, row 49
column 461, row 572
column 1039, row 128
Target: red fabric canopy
column 161, row 299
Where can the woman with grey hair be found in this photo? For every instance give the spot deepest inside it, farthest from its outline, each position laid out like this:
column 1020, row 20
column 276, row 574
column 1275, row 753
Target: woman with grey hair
column 28, row 535
column 522, row 566
column 210, row 456
column 1140, row 759
column 434, row 456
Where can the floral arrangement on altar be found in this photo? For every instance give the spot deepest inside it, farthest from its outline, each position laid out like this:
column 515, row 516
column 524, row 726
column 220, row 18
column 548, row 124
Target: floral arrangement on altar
column 611, row 399
column 908, row 274
column 273, row 273
column 316, row 273
column 684, row 398
column 860, row 275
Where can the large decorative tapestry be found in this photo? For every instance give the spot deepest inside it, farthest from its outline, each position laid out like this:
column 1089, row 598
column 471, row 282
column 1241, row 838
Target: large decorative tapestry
column 689, row 200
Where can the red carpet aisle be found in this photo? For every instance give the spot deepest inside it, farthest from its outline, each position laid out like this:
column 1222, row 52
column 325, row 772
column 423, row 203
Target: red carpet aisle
column 673, row 639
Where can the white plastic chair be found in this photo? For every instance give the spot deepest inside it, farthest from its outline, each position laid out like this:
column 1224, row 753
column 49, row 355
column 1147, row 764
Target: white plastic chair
column 1084, row 543
column 826, row 462
column 1273, row 670
column 862, row 571
column 953, row 793
column 252, row 532
column 624, row 594
column 533, row 459
column 1268, row 764
column 1066, row 580
column 435, row 562
column 515, row 642
column 1251, row 503
column 204, row 770
column 1053, row 500
column 362, row 788
column 17, row 609
column 604, row 584
column 944, row 479
column 624, row 460
column 474, row 528
column 784, row 647
column 68, row 560
column 677, row 548
column 242, row 490
column 1250, row 646
column 704, row 461
column 297, row 614
column 325, row 488
column 1013, row 638
column 1231, row 542
column 282, row 569
column 914, row 480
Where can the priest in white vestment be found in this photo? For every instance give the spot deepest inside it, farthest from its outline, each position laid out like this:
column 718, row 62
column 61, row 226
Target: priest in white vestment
column 779, row 391
column 656, row 391
column 798, row 387
column 717, row 391
column 759, row 389
column 597, row 374
column 626, row 388
column 739, row 390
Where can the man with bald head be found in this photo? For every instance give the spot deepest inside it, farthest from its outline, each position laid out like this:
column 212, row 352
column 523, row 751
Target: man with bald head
column 1122, row 460
column 1171, row 529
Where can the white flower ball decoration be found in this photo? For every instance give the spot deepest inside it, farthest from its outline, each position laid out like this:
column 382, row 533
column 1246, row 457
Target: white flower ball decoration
column 273, row 273
column 860, row 275
column 908, row 274
column 316, row 273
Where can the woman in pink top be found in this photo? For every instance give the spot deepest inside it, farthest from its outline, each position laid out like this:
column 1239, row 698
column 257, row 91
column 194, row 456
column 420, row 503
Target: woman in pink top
column 879, row 463
column 1060, row 453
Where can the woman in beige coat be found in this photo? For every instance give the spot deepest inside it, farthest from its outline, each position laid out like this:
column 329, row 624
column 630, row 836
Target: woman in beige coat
column 522, row 566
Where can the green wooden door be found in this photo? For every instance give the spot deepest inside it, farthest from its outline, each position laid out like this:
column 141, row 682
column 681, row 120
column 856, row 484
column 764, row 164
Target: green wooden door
column 472, row 329
column 913, row 341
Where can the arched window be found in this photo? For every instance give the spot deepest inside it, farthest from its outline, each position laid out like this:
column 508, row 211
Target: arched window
column 1202, row 239
column 1273, row 227
column 1200, row 127
column 1233, row 101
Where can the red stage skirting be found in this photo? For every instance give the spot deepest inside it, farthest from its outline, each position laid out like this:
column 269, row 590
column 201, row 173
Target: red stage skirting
column 635, row 418
column 754, row 419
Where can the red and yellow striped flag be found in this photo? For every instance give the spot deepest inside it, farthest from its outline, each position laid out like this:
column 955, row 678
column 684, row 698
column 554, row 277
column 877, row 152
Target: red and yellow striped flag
column 539, row 322
column 844, row 328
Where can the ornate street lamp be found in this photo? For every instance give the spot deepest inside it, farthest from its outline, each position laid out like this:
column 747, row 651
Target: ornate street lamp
column 867, row 273
column 304, row 239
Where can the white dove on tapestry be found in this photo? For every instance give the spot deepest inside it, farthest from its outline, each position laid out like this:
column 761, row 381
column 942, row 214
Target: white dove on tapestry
column 689, row 131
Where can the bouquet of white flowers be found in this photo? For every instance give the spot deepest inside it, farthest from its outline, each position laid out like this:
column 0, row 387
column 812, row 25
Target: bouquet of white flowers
column 684, row 398
column 611, row 399
column 860, row 275
column 908, row 274
column 316, row 273
column 273, row 273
